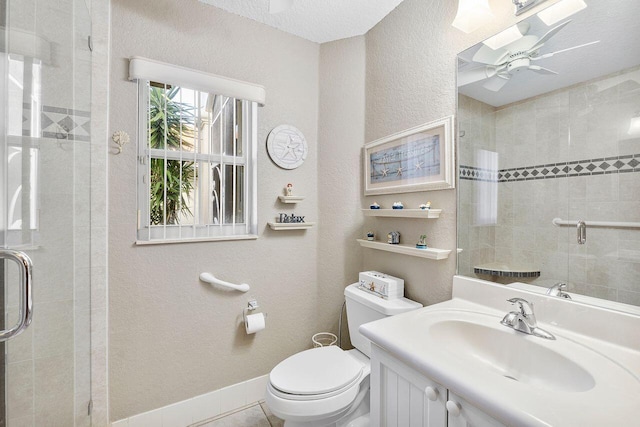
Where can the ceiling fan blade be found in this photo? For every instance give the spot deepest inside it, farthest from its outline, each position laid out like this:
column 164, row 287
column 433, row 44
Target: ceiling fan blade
column 486, row 55
column 496, row 83
column 548, row 55
column 523, row 44
column 277, row 6
column 475, row 75
column 552, row 32
column 541, row 70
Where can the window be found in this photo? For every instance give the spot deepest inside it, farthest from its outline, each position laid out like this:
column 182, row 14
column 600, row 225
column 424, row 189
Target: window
column 197, row 171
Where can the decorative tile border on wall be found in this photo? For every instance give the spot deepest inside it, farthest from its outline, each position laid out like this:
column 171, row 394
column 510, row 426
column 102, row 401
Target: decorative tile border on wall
column 478, row 174
column 59, row 123
column 203, row 407
column 600, row 166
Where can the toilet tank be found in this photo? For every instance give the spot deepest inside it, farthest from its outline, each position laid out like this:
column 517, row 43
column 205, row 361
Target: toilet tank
column 363, row 307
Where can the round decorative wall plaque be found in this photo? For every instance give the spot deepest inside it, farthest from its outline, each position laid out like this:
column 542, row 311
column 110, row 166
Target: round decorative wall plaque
column 287, row 146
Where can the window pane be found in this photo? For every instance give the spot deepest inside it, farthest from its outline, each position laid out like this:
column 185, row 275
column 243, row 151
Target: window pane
column 239, row 127
column 157, row 123
column 228, row 134
column 182, row 107
column 234, row 183
column 240, row 195
column 171, row 186
column 218, row 106
column 203, row 124
column 216, row 180
column 171, row 118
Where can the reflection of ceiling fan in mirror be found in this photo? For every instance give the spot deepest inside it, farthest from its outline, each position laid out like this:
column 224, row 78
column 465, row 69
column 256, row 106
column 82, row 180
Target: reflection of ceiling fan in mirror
column 518, row 56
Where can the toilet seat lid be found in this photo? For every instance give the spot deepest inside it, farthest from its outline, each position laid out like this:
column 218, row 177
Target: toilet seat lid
column 316, row 371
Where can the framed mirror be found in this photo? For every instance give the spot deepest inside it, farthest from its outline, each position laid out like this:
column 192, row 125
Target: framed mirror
column 549, row 135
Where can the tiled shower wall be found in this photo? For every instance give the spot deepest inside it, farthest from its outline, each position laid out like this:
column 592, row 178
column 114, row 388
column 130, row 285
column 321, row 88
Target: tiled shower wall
column 563, row 155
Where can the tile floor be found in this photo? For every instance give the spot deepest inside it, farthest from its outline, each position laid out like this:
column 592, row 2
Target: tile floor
column 257, row 415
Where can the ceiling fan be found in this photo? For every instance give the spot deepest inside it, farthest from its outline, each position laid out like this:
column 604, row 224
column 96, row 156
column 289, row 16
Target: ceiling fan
column 518, row 56
column 277, row 6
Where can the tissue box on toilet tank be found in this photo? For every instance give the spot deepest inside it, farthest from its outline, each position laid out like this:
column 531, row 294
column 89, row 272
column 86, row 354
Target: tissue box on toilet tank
column 382, row 285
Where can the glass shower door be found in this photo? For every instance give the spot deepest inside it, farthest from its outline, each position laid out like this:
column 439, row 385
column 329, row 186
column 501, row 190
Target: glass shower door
column 45, row 63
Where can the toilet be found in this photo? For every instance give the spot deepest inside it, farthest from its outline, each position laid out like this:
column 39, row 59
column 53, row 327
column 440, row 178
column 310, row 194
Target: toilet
column 328, row 386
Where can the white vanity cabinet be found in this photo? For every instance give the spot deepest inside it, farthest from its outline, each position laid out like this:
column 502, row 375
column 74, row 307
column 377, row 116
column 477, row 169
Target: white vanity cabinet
column 403, row 397
column 464, row 414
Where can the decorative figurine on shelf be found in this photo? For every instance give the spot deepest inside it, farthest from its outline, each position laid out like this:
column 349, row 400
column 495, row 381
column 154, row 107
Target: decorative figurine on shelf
column 425, row 206
column 398, row 205
column 422, row 242
column 288, row 191
column 370, row 235
column 374, row 205
column 393, row 238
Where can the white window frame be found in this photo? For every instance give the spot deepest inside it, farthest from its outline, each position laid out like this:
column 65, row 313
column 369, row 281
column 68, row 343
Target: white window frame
column 173, row 233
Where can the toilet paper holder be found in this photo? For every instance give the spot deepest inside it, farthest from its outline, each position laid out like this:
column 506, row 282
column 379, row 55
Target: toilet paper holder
column 252, row 305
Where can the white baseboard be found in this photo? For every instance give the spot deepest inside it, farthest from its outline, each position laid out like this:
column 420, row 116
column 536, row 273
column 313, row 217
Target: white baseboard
column 200, row 408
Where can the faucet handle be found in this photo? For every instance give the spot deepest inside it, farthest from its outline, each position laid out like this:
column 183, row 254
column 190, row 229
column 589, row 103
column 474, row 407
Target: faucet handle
column 522, row 303
column 560, row 286
column 557, row 290
column 525, row 320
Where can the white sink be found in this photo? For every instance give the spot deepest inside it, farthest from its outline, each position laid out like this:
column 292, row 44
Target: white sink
column 510, row 354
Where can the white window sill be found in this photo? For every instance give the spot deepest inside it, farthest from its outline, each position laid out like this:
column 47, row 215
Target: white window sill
column 196, row 240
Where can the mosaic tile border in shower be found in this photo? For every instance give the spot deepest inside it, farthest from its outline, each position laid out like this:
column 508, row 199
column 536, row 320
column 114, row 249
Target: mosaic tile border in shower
column 478, row 174
column 59, row 123
column 591, row 167
column 503, row 273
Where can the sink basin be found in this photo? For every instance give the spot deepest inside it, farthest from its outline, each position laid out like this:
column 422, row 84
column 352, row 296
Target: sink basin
column 512, row 355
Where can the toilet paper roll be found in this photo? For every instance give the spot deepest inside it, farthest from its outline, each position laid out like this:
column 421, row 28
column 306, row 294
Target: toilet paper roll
column 254, row 323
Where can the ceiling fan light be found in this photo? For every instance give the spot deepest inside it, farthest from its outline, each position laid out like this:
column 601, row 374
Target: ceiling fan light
column 507, row 36
column 634, row 125
column 560, row 11
column 472, row 14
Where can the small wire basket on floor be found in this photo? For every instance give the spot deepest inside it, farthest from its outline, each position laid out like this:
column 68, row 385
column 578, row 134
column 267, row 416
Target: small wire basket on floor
column 324, row 339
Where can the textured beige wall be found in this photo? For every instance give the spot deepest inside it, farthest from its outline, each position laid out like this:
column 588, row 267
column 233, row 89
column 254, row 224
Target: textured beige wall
column 340, row 140
column 410, row 78
column 171, row 336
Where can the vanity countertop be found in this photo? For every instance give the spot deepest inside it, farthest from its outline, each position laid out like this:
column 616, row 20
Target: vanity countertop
column 588, row 376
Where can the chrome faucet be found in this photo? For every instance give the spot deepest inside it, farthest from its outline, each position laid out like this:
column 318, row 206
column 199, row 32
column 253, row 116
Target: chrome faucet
column 523, row 320
column 557, row 290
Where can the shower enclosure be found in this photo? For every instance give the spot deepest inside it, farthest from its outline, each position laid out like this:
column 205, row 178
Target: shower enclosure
column 45, row 215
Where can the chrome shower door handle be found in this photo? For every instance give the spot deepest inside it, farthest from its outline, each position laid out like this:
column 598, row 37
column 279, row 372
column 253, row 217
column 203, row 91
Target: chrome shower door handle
column 582, row 232
column 26, row 297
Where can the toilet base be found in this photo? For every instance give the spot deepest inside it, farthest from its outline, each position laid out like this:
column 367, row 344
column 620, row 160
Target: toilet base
column 359, row 417
column 362, row 421
column 356, row 416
